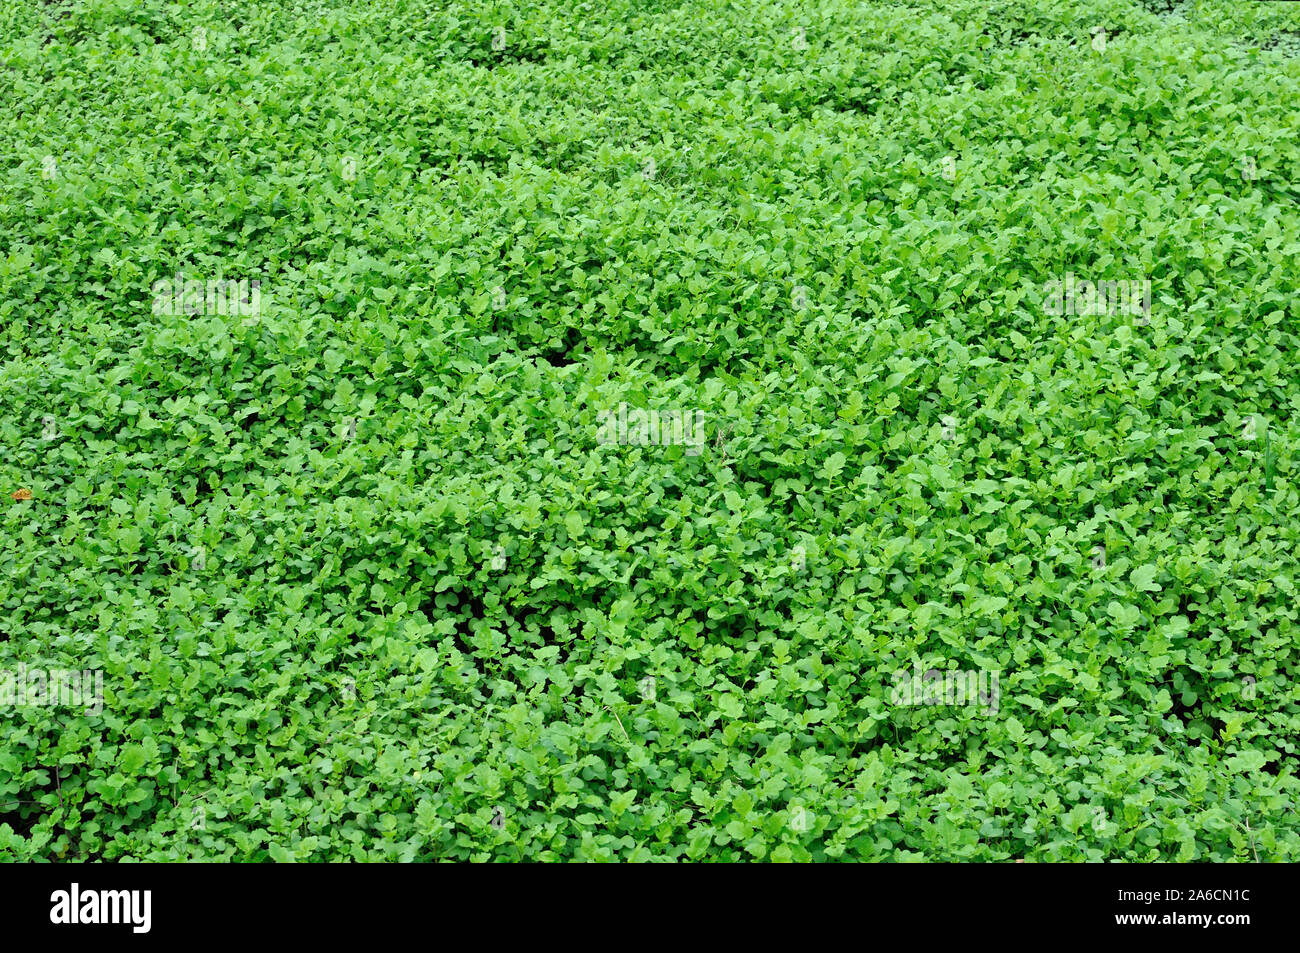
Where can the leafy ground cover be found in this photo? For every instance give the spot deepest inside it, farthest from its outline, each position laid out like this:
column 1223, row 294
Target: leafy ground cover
column 635, row 417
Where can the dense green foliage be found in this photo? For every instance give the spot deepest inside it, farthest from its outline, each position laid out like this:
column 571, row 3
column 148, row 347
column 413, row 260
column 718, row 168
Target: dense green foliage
column 363, row 583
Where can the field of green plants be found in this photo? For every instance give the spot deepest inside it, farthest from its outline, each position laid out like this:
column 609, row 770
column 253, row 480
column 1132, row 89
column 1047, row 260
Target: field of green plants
column 649, row 430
